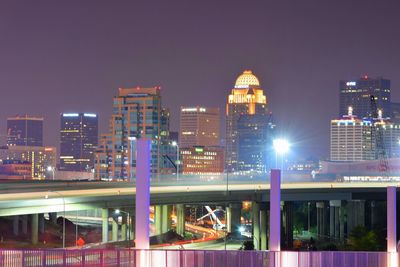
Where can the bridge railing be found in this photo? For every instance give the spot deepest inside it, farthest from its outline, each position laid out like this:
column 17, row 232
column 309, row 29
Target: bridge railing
column 191, row 258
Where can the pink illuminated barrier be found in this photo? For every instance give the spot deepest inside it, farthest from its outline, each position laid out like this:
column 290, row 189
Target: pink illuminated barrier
column 190, row 258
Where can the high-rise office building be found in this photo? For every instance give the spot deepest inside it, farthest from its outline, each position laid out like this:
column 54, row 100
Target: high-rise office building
column 40, row 158
column 352, row 139
column 25, row 131
column 78, row 141
column 356, row 93
column 137, row 113
column 254, row 143
column 202, row 160
column 199, row 126
column 246, row 98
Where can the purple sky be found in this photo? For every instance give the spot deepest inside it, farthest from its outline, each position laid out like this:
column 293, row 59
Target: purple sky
column 59, row 56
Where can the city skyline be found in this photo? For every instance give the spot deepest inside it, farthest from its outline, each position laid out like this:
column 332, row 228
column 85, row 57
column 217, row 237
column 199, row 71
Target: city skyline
column 178, row 57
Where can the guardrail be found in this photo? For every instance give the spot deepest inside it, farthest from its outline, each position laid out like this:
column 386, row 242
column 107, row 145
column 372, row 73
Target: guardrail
column 190, row 258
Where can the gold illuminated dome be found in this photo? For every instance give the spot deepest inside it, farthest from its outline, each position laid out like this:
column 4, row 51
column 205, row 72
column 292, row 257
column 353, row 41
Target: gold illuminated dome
column 246, row 79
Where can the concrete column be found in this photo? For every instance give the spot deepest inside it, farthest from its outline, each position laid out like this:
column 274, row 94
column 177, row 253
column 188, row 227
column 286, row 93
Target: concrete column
column 53, row 217
column 142, row 216
column 34, row 228
column 320, row 219
column 263, row 229
column 236, row 212
column 331, row 221
column 104, row 217
column 124, row 227
column 166, row 218
column 373, row 214
column 114, row 229
column 41, row 223
column 342, row 211
column 255, row 207
column 391, row 221
column 24, row 224
column 355, row 214
column 228, row 219
column 337, row 222
column 158, row 219
column 334, row 221
column 288, row 214
column 275, row 211
column 16, row 225
column 180, row 219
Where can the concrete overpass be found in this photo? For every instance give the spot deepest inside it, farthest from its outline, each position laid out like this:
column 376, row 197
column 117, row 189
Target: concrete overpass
column 29, row 197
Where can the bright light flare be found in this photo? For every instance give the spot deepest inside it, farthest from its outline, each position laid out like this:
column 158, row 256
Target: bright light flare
column 174, row 143
column 281, row 146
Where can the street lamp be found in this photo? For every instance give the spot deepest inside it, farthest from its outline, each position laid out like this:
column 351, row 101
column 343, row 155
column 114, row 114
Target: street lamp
column 174, row 143
column 63, row 199
column 51, row 169
column 132, row 139
column 118, row 211
column 281, row 147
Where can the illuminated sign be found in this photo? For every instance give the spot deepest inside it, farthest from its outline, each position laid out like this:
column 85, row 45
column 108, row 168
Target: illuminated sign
column 351, row 83
column 193, row 109
column 89, row 115
column 70, row 115
column 199, row 149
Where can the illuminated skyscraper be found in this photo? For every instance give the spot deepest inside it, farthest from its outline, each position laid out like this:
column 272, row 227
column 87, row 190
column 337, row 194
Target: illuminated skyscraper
column 25, row 131
column 246, row 98
column 351, row 139
column 357, row 95
column 199, row 126
column 78, row 141
column 137, row 113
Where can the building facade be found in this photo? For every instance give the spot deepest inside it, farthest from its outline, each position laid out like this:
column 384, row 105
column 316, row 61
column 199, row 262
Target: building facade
column 40, row 158
column 199, row 126
column 202, row 160
column 254, row 143
column 78, row 141
column 137, row 113
column 357, row 93
column 25, row 131
column 15, row 169
column 246, row 98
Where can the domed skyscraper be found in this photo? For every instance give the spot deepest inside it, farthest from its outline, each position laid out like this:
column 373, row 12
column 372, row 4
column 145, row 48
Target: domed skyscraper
column 247, row 125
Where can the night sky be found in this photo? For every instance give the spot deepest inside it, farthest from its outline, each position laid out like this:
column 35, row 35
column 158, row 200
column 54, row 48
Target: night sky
column 60, row 56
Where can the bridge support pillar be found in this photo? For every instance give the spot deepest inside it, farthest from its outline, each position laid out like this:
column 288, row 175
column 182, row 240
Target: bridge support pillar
column 334, row 220
column 235, row 214
column 24, row 224
column 228, row 217
column 180, row 219
column 158, row 215
column 255, row 218
column 342, row 211
column 53, row 217
column 41, row 223
column 124, row 228
column 34, row 228
column 104, row 232
column 166, row 218
column 373, row 214
column 16, row 225
column 114, row 229
column 355, row 214
column 391, row 227
column 288, row 224
column 321, row 222
column 263, row 228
